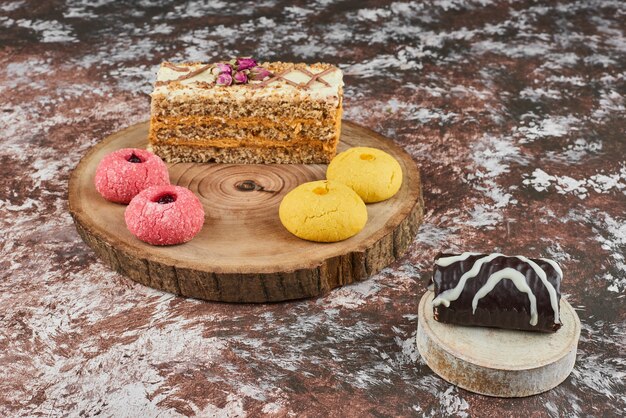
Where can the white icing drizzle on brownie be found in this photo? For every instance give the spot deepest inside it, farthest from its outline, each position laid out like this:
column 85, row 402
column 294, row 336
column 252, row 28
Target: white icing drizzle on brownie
column 555, row 266
column 450, row 295
column 518, row 279
column 544, row 279
column 446, row 261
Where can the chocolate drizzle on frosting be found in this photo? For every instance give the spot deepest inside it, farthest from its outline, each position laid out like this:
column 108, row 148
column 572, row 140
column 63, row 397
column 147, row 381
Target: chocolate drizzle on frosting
column 189, row 74
column 276, row 77
column 316, row 77
column 194, row 72
column 175, row 67
column 281, row 76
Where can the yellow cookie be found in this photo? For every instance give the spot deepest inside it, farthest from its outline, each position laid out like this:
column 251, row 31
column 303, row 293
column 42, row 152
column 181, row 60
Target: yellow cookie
column 372, row 173
column 323, row 211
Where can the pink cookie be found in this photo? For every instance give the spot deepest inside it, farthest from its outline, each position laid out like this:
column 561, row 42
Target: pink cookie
column 124, row 173
column 165, row 215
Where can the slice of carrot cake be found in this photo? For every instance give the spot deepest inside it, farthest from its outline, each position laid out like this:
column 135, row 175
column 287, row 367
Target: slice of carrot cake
column 243, row 112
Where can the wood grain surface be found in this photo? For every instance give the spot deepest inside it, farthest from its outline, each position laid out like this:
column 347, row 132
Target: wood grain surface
column 243, row 253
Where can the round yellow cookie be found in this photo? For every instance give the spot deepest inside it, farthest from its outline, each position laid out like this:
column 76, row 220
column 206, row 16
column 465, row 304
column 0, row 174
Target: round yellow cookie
column 323, row 211
column 372, row 173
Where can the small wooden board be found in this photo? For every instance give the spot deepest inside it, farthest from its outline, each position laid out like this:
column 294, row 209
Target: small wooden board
column 496, row 362
column 243, row 253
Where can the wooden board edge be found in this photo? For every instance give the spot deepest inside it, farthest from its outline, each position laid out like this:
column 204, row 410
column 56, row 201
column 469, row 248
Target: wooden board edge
column 413, row 178
column 493, row 382
column 258, row 287
column 383, row 248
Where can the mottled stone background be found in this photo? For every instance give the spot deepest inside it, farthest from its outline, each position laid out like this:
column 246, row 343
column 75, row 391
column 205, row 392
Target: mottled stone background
column 514, row 111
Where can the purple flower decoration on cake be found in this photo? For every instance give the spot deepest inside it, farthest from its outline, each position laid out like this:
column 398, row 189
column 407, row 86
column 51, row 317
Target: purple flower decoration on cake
column 259, row 73
column 239, row 71
column 245, row 63
column 222, row 68
column 241, row 77
column 224, row 79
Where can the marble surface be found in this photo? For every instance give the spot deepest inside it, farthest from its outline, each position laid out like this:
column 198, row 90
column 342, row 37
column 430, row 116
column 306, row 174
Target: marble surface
column 514, row 112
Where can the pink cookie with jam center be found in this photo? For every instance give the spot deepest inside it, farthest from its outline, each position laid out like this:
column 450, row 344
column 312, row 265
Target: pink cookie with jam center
column 165, row 215
column 122, row 174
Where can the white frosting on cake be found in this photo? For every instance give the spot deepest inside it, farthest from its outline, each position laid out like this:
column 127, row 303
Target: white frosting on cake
column 168, row 74
column 316, row 90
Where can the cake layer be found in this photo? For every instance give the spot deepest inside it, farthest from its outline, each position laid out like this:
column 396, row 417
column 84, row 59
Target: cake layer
column 301, row 154
column 250, row 142
column 269, row 108
column 205, row 129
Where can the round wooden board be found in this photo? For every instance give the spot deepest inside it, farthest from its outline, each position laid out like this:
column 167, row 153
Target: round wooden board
column 497, row 362
column 243, row 253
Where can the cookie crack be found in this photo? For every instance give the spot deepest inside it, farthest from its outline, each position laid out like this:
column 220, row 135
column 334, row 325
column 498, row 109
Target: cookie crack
column 325, row 213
